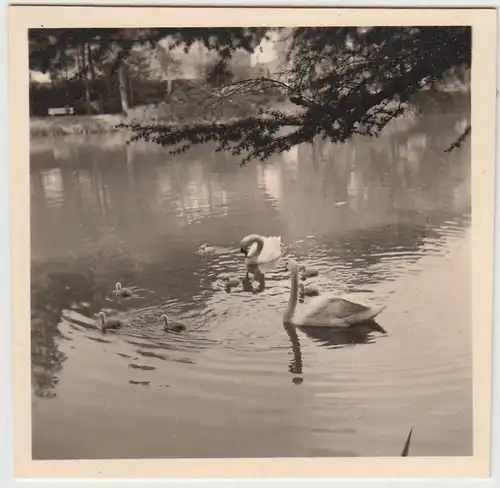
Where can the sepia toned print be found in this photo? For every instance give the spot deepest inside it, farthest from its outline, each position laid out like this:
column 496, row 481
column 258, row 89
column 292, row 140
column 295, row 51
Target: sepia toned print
column 252, row 242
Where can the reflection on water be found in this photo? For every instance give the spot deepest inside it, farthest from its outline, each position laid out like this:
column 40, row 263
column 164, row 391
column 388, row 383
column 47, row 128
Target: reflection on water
column 388, row 219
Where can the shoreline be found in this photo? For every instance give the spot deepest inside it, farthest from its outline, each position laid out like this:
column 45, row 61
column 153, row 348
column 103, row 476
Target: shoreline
column 74, row 125
column 181, row 113
column 83, row 125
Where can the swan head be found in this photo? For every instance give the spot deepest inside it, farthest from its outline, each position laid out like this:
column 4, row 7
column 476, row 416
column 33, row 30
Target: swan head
column 293, row 266
column 118, row 285
column 164, row 318
column 247, row 242
column 102, row 316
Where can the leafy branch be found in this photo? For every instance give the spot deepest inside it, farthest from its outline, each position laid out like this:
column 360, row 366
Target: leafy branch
column 255, row 137
column 342, row 81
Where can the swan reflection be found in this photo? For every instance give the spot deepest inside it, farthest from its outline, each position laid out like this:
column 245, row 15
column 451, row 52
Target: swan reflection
column 248, row 284
column 295, row 366
column 328, row 337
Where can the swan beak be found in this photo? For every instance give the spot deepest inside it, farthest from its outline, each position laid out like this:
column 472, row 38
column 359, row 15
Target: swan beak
column 244, row 251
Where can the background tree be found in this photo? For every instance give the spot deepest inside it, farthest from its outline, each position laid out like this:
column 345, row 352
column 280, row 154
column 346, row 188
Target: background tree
column 165, row 66
column 112, row 47
column 218, row 73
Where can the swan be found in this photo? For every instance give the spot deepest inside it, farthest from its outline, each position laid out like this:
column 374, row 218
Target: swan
column 308, row 272
column 172, row 326
column 204, row 249
column 112, row 322
column 308, row 291
column 260, row 250
column 228, row 281
column 324, row 311
column 122, row 292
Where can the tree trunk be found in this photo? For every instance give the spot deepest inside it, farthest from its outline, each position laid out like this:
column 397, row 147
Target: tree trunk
column 93, row 78
column 78, row 62
column 122, row 84
column 91, row 63
column 130, row 91
column 84, row 75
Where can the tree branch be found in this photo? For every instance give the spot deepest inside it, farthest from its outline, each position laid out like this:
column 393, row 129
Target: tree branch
column 368, row 85
column 245, row 87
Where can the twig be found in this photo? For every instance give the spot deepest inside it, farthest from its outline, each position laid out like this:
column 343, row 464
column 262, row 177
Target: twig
column 406, row 448
column 246, row 87
column 460, row 139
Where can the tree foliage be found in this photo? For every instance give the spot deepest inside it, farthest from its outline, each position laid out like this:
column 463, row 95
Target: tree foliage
column 218, row 73
column 108, row 51
column 151, row 64
column 47, row 46
column 341, row 81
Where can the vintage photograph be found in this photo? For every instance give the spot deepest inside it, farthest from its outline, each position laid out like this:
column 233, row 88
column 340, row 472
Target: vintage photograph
column 250, row 242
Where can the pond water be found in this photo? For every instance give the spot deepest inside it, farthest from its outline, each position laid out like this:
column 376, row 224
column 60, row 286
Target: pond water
column 386, row 218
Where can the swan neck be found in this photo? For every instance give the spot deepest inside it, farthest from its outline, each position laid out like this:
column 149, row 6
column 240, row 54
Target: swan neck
column 260, row 246
column 292, row 302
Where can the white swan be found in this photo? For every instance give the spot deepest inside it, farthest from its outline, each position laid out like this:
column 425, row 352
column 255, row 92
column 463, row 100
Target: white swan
column 307, row 272
column 261, row 250
column 204, row 249
column 122, row 292
column 228, row 281
column 113, row 322
column 172, row 326
column 326, row 310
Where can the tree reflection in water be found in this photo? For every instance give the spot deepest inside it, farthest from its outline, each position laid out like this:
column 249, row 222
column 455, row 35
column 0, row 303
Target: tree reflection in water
column 51, row 294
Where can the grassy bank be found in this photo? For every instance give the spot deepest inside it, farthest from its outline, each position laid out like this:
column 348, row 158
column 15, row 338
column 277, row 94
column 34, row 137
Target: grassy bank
column 77, row 125
column 73, row 125
column 181, row 108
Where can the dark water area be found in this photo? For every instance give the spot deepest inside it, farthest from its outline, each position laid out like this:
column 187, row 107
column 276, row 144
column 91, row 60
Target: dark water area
column 387, row 219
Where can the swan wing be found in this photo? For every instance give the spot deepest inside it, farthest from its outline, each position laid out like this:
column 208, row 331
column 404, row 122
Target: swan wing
column 333, row 311
column 271, row 250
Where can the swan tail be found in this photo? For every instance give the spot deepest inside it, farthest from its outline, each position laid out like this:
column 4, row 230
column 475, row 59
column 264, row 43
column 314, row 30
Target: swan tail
column 365, row 315
column 378, row 328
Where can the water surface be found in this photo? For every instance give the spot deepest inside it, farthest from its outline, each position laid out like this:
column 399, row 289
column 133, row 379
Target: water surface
column 386, row 218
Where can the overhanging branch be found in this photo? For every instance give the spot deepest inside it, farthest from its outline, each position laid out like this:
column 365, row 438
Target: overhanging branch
column 250, row 86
